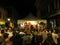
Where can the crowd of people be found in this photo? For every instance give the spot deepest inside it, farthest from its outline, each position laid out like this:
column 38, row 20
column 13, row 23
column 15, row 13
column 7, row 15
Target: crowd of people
column 29, row 36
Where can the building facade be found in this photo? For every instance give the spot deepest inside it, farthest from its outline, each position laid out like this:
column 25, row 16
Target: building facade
column 50, row 10
column 3, row 15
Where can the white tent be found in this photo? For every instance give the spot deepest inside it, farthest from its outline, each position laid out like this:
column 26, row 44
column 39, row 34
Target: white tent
column 30, row 17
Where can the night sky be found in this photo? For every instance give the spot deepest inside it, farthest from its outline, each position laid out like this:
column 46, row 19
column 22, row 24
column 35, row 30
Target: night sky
column 23, row 7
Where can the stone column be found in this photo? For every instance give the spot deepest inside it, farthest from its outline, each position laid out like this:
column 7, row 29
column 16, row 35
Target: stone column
column 58, row 21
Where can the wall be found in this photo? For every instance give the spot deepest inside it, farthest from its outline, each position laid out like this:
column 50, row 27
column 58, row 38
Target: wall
column 3, row 14
column 58, row 21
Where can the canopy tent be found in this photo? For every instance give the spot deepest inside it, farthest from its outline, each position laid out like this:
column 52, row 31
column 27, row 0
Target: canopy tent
column 30, row 18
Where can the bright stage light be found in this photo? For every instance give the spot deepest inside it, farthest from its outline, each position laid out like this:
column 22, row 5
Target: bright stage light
column 8, row 19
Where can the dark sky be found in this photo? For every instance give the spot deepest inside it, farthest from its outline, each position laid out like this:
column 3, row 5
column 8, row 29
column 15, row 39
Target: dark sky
column 23, row 7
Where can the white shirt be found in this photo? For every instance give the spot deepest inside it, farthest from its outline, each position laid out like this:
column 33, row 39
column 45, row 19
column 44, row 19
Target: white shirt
column 10, row 34
column 55, row 36
column 21, row 33
column 44, row 35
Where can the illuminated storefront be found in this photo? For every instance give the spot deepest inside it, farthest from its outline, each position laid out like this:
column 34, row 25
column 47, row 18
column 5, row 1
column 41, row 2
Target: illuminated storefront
column 30, row 20
column 24, row 23
column 2, row 22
